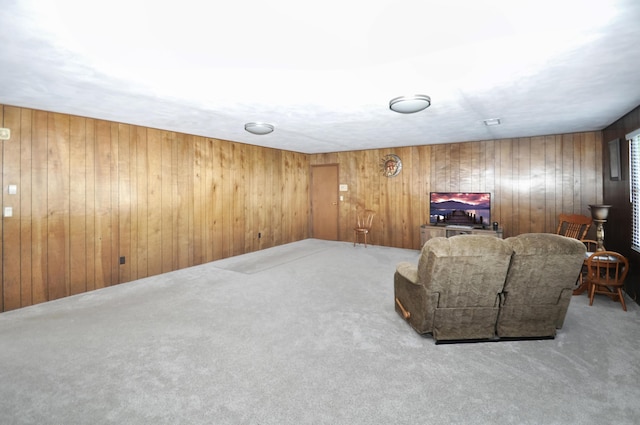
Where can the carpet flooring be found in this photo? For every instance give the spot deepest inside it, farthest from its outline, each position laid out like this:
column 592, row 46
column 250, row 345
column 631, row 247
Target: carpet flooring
column 303, row 333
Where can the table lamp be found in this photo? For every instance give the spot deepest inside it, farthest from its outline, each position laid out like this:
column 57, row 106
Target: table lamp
column 599, row 213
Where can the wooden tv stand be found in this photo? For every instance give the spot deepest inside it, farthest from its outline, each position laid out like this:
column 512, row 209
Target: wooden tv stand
column 429, row 231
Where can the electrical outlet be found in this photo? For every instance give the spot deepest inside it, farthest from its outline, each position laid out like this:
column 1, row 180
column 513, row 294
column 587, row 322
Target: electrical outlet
column 259, row 235
column 122, row 260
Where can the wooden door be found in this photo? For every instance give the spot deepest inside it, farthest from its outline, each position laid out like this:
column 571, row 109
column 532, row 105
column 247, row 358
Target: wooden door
column 324, row 202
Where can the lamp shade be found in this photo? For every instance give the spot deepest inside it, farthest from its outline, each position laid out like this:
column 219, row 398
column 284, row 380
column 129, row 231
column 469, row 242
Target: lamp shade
column 599, row 212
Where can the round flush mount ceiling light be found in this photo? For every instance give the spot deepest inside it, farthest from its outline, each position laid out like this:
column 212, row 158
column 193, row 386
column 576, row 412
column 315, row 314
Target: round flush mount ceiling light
column 259, row 128
column 410, row 104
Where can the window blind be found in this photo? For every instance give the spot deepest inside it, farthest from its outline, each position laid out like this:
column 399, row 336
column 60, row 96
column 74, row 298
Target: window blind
column 634, row 182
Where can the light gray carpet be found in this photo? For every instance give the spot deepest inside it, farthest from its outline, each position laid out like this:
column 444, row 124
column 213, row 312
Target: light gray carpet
column 304, row 333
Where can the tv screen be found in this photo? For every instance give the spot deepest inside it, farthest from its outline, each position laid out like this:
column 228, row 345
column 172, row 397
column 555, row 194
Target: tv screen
column 460, row 208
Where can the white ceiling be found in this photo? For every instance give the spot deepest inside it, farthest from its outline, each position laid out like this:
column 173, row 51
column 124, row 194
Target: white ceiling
column 323, row 73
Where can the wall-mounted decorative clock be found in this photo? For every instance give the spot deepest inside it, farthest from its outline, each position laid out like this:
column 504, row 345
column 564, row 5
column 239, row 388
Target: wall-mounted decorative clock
column 390, row 165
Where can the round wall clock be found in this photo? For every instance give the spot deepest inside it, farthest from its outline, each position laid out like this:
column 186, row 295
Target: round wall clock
column 390, row 165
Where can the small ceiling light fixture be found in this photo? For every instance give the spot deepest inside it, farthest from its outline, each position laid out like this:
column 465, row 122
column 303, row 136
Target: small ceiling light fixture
column 410, row 104
column 492, row 121
column 258, row 128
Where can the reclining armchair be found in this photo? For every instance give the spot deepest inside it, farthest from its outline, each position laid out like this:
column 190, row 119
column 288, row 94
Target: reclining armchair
column 453, row 293
column 539, row 284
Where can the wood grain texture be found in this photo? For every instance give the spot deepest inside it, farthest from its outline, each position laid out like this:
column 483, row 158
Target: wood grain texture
column 11, row 225
column 39, row 218
column 58, row 195
column 103, row 230
column 531, row 180
column 141, row 203
column 92, row 191
column 122, row 197
column 617, row 194
column 77, row 206
column 90, row 202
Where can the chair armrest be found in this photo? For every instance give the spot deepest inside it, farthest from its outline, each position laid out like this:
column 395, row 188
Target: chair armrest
column 591, row 245
column 408, row 271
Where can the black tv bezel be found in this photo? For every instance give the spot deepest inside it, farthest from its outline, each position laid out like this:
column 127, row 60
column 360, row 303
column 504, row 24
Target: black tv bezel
column 484, row 225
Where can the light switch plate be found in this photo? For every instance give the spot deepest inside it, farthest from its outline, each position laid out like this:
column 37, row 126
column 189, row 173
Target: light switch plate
column 13, row 189
column 344, row 188
column 5, row 134
column 8, row 211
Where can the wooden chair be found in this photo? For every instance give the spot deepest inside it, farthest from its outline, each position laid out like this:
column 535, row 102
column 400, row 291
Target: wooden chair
column 574, row 225
column 591, row 245
column 364, row 221
column 606, row 272
column 581, row 285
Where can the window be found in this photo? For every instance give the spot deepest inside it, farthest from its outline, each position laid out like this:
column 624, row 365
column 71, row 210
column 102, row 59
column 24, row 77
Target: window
column 634, row 189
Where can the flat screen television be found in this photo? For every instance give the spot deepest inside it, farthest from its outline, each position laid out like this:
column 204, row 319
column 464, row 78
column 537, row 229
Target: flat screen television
column 460, row 208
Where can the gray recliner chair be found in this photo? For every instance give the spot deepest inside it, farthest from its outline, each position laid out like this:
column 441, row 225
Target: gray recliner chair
column 539, row 284
column 453, row 292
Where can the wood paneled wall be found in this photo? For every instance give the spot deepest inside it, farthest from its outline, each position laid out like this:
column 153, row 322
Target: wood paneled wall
column 531, row 180
column 92, row 191
column 619, row 227
column 617, row 192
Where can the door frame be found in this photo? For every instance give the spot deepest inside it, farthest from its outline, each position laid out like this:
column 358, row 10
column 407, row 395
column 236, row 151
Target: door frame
column 311, row 209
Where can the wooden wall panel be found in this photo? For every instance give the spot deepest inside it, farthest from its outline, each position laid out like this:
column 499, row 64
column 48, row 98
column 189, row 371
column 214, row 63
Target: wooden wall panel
column 25, row 196
column 157, row 177
column 508, row 205
column 216, row 205
column 532, row 180
column 619, row 228
column 141, row 201
column 225, row 241
column 549, row 176
column 77, row 206
column 617, row 192
column 116, row 211
column 3, row 181
column 167, row 175
column 200, row 208
column 524, row 188
column 58, row 195
column 123, row 200
column 92, row 191
column 238, row 201
column 103, row 235
column 11, row 229
column 184, row 195
column 271, row 190
column 39, row 196
column 249, row 200
column 90, row 202
column 276, row 216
